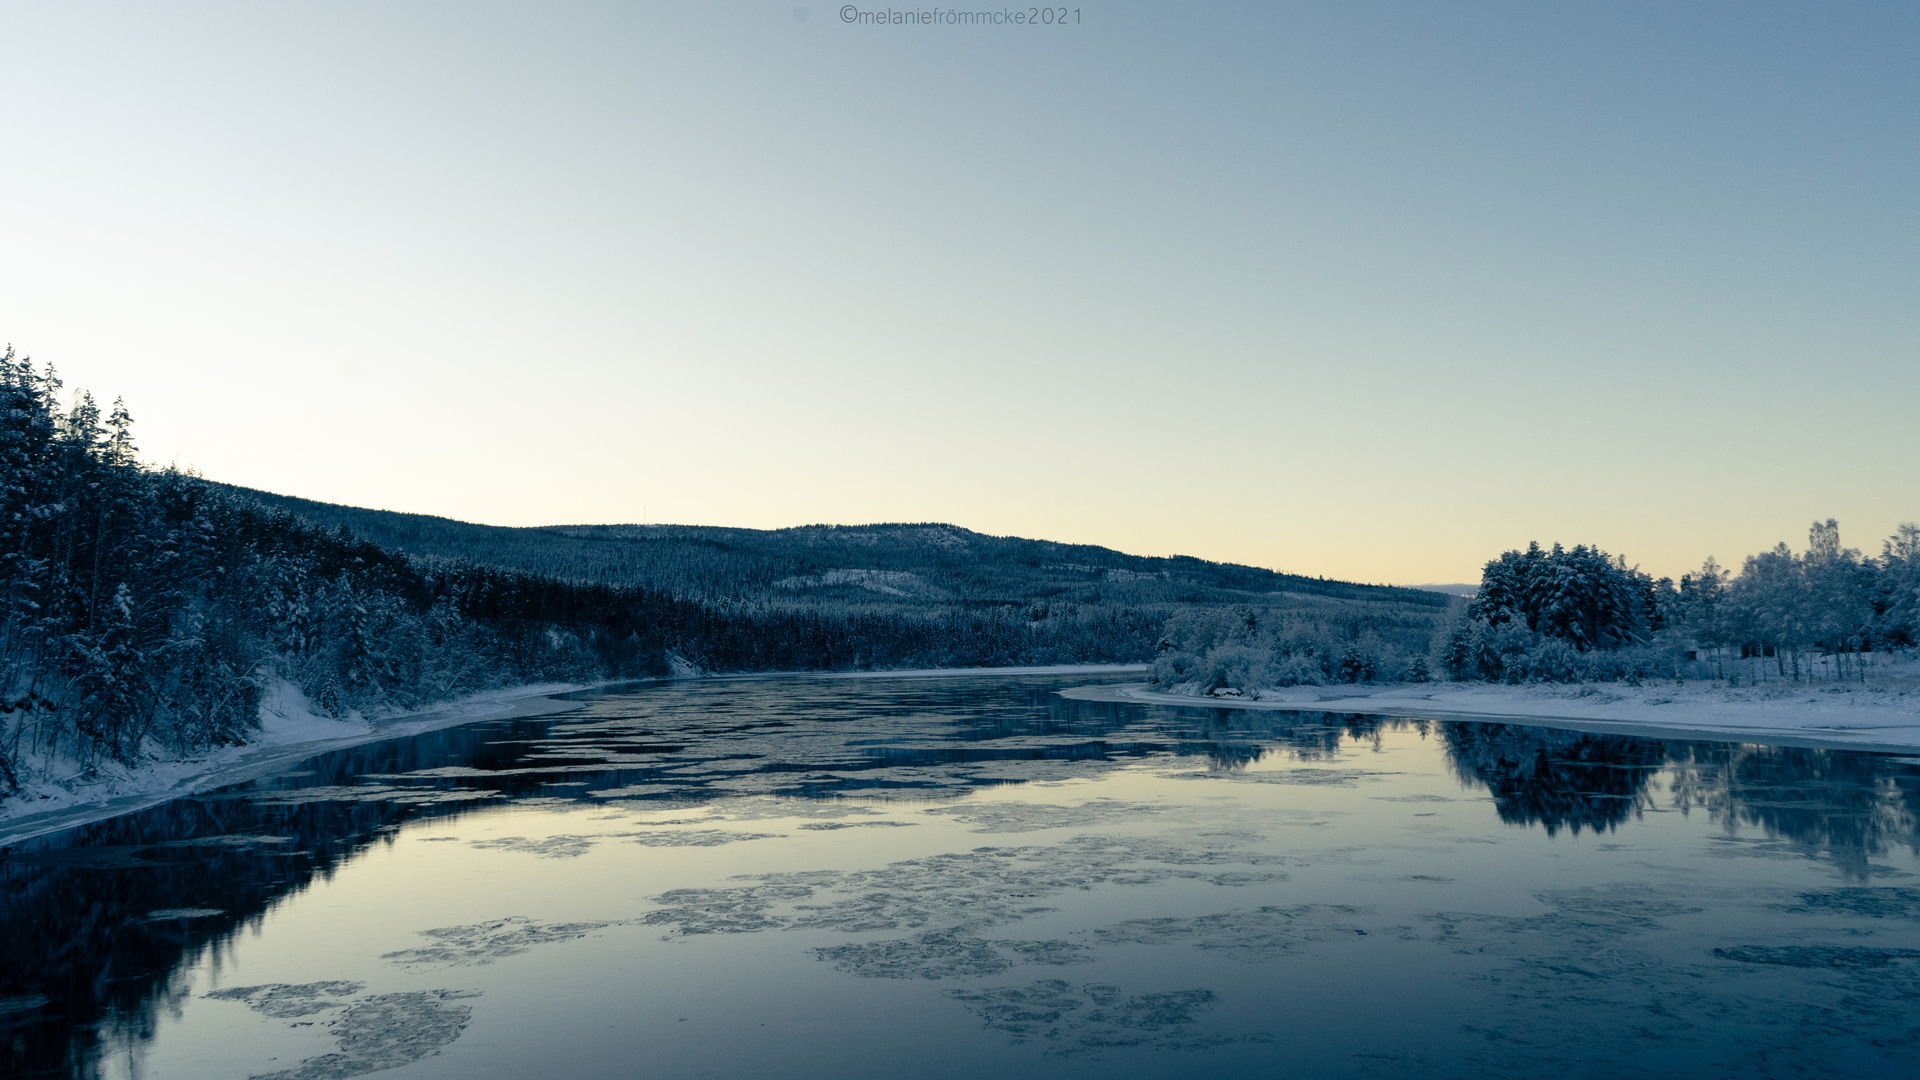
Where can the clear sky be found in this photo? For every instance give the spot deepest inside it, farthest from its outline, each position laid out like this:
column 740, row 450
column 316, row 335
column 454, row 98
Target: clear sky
column 1365, row 290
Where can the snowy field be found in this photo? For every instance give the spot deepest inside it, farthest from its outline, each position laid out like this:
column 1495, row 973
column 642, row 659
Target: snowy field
column 1883, row 714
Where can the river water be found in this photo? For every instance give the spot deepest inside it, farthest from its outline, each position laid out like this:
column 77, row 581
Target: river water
column 971, row 875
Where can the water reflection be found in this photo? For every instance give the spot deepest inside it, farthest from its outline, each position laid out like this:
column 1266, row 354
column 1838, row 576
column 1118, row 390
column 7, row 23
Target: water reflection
column 1555, row 779
column 100, row 922
column 1817, row 803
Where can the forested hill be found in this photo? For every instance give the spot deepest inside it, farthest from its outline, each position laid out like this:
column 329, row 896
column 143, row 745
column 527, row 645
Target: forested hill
column 906, row 564
column 145, row 611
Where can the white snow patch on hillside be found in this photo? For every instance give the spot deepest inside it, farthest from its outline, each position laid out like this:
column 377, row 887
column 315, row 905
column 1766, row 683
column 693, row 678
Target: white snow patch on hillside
column 1111, row 573
column 286, row 716
column 902, row 583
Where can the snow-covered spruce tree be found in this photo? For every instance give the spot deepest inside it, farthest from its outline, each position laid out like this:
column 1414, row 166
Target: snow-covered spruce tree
column 1815, row 615
column 1539, row 610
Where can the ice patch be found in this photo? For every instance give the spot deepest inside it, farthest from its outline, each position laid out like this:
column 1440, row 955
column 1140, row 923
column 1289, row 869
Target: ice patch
column 386, row 1032
column 1018, row 817
column 1247, row 936
column 1815, row 956
column 551, row 847
column 284, row 1001
column 1097, row 1016
column 945, row 954
column 483, row 943
column 165, row 914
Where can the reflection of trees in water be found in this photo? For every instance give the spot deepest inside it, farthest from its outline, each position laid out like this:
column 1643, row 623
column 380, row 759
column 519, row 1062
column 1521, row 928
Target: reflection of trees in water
column 1234, row 738
column 77, row 908
column 1555, row 779
column 1229, row 738
column 1844, row 805
column 78, row 920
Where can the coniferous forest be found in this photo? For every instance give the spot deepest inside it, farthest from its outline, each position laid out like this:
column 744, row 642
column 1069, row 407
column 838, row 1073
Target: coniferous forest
column 147, row 609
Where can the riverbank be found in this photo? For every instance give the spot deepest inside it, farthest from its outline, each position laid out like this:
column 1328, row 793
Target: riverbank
column 1828, row 715
column 290, row 731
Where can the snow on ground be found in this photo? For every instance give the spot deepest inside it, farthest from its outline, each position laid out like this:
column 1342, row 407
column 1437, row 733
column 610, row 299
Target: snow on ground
column 59, row 797
column 286, row 717
column 291, row 730
column 1885, row 714
column 919, row 673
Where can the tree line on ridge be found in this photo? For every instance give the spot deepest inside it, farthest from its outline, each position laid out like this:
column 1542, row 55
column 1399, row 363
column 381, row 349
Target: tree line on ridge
column 146, row 610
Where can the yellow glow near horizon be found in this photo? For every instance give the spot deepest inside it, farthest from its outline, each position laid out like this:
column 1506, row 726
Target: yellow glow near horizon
column 1286, row 288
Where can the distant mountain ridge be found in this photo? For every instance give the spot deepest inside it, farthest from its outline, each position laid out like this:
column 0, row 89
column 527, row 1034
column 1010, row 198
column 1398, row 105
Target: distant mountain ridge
column 1462, row 588
column 888, row 564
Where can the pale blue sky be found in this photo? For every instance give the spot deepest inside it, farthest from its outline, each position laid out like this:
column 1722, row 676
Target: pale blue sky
column 1370, row 291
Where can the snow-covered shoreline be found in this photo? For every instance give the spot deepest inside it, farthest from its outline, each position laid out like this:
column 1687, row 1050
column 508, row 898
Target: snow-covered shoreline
column 290, row 732
column 1824, row 716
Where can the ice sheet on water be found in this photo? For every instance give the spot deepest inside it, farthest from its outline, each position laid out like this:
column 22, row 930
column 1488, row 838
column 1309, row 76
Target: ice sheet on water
column 767, row 808
column 483, row 943
column 987, row 886
column 1097, row 1016
column 551, row 847
column 571, row 845
column 696, row 838
column 742, row 909
column 1317, row 776
column 1250, row 936
column 1617, row 950
column 1815, row 956
column 386, row 1032
column 1871, row 902
column 1237, row 878
column 1018, row 817
column 944, row 954
column 285, row 1001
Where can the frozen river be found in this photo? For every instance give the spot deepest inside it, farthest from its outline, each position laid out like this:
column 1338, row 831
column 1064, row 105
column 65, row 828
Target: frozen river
column 972, row 876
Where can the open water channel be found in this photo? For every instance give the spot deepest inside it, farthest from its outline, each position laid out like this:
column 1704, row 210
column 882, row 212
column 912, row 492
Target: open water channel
column 971, row 875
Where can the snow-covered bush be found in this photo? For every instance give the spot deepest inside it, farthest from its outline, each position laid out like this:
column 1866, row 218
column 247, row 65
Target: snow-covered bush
column 1249, row 649
column 1241, row 667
